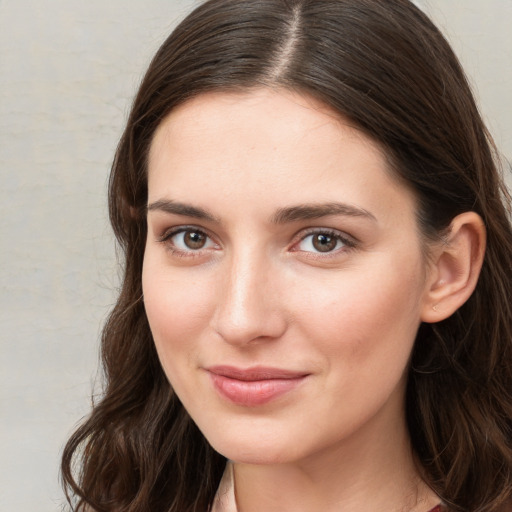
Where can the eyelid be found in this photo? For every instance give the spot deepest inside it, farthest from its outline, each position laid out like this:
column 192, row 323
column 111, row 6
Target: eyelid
column 171, row 231
column 166, row 236
column 348, row 241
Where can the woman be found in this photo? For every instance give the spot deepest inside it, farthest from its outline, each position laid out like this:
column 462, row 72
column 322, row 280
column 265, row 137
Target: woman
column 317, row 274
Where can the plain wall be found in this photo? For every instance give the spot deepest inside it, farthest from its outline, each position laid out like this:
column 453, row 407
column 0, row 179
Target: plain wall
column 68, row 70
column 480, row 33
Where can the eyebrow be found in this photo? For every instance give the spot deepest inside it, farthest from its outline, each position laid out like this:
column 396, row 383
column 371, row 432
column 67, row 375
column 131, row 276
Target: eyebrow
column 282, row 215
column 315, row 211
column 187, row 210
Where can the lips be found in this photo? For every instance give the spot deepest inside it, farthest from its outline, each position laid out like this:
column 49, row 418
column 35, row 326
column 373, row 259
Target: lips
column 253, row 386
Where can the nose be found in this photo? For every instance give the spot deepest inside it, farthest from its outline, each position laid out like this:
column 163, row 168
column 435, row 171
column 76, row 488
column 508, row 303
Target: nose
column 249, row 307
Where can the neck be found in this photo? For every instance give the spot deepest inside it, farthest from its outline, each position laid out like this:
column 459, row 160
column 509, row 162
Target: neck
column 373, row 470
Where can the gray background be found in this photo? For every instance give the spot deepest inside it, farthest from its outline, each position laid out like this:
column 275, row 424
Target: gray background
column 68, row 69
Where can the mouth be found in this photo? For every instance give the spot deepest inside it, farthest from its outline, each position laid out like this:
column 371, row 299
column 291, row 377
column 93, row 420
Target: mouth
column 255, row 386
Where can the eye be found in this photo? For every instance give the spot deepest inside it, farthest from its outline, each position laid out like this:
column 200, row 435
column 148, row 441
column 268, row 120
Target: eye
column 187, row 239
column 323, row 242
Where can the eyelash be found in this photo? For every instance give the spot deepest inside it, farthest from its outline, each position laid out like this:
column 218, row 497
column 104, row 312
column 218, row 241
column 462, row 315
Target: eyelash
column 166, row 239
column 349, row 243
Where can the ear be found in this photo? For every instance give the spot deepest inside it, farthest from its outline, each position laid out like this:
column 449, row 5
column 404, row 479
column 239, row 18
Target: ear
column 455, row 268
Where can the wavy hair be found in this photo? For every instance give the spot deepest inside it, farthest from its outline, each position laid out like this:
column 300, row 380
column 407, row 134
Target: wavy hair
column 387, row 68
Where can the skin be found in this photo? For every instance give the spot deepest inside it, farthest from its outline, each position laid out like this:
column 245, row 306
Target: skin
column 259, row 292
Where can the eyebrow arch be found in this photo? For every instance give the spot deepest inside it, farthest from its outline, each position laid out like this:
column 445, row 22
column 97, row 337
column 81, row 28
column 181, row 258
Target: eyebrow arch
column 177, row 208
column 315, row 211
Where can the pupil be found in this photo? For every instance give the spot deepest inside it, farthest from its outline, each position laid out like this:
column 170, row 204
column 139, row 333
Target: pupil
column 194, row 240
column 324, row 243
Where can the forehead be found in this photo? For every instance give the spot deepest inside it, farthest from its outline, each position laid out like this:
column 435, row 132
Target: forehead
column 261, row 111
column 268, row 146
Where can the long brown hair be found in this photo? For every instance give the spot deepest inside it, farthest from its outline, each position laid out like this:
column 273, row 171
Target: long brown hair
column 384, row 66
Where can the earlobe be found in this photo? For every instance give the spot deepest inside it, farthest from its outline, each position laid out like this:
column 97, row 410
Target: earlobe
column 455, row 269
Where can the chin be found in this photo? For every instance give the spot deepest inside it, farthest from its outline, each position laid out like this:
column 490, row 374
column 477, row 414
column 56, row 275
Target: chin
column 253, row 449
column 254, row 455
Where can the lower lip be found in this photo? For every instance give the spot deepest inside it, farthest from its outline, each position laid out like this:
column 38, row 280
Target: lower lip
column 253, row 392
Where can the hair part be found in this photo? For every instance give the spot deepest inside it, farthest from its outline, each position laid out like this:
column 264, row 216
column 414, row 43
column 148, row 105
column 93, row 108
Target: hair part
column 284, row 55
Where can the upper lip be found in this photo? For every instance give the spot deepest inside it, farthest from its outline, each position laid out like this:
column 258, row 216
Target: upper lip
column 255, row 373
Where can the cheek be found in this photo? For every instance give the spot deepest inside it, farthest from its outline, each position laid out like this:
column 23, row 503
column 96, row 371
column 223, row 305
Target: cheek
column 177, row 309
column 363, row 328
column 363, row 316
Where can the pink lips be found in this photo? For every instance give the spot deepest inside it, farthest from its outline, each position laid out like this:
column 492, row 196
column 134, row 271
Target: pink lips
column 253, row 386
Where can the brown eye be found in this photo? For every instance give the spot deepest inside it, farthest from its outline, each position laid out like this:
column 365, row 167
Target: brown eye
column 323, row 242
column 194, row 239
column 188, row 240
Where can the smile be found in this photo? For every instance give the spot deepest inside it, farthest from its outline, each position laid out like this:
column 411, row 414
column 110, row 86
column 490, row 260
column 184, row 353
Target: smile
column 253, row 386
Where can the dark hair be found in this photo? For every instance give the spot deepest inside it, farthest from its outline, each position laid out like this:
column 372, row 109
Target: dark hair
column 385, row 67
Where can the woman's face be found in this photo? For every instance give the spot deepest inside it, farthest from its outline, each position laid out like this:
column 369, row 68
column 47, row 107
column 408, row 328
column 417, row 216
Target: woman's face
column 284, row 280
